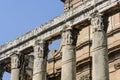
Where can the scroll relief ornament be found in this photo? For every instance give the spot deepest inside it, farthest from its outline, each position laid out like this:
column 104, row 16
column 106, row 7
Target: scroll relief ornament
column 97, row 22
column 117, row 66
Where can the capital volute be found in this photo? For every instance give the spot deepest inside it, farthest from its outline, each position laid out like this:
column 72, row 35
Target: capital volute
column 38, row 42
column 67, row 28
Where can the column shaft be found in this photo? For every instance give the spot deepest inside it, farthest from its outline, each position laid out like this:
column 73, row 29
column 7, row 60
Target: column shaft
column 15, row 71
column 1, row 71
column 100, row 50
column 68, row 55
column 40, row 61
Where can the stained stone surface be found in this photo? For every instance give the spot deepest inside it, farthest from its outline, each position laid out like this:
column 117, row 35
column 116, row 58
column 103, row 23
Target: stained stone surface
column 73, row 60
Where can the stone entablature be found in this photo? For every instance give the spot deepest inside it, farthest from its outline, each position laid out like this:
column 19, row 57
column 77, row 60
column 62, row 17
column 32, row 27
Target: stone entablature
column 54, row 27
column 83, row 31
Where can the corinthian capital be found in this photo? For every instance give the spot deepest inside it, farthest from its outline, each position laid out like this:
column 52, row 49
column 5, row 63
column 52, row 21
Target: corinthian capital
column 15, row 61
column 69, row 36
column 97, row 22
column 40, row 48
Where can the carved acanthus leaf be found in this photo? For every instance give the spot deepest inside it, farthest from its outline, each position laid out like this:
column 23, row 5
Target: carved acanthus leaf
column 15, row 62
column 97, row 22
column 40, row 49
column 69, row 37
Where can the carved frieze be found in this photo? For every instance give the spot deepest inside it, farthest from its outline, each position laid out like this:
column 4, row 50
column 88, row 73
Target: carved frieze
column 53, row 27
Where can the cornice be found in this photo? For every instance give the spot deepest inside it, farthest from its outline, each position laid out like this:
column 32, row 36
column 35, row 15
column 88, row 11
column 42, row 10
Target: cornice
column 54, row 27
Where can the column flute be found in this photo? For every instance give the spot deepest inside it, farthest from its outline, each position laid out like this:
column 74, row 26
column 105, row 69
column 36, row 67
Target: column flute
column 100, row 49
column 68, row 54
column 15, row 67
column 40, row 60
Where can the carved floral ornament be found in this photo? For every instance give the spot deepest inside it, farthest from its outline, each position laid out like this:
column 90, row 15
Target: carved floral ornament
column 97, row 21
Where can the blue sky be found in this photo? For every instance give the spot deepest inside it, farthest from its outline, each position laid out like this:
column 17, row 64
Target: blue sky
column 20, row 16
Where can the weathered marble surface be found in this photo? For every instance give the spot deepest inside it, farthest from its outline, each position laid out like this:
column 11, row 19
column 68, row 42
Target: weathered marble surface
column 100, row 49
column 69, row 38
column 40, row 60
column 55, row 26
column 15, row 67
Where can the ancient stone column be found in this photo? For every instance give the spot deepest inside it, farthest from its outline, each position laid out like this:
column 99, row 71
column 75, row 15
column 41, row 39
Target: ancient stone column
column 15, row 67
column 40, row 60
column 68, row 55
column 100, row 50
column 1, row 71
